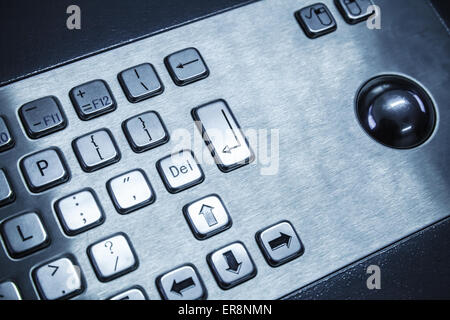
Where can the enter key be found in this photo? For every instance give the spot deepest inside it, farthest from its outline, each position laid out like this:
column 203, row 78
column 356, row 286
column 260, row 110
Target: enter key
column 223, row 136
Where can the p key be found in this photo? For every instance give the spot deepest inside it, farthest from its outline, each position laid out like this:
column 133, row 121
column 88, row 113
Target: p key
column 44, row 170
column 223, row 135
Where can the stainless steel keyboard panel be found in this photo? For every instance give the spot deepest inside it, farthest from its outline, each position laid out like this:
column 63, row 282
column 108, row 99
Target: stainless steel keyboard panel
column 346, row 195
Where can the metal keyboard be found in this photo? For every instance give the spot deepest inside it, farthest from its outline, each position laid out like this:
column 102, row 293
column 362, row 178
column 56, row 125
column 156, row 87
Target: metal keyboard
column 220, row 160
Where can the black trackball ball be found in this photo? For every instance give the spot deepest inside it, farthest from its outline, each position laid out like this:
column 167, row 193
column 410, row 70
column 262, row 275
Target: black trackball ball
column 396, row 112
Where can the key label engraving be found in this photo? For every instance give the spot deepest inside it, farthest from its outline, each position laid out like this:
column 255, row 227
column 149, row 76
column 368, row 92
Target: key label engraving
column 138, row 76
column 4, row 137
column 182, row 65
column 282, row 240
column 97, row 148
column 109, row 245
column 55, row 269
column 44, row 166
column 206, row 212
column 22, row 236
column 228, row 149
column 179, row 287
column 233, row 265
column 145, row 129
column 175, row 171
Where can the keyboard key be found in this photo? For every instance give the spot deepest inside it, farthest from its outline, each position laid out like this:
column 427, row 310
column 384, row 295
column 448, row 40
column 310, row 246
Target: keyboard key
column 186, row 66
column 223, row 135
column 6, row 193
column 140, row 82
column 316, row 20
column 6, row 140
column 9, row 291
column 131, row 191
column 145, row 131
column 180, row 171
column 59, row 279
column 136, row 293
column 79, row 212
column 182, row 283
column 96, row 150
column 42, row 117
column 207, row 216
column 355, row 11
column 92, row 99
column 44, row 170
column 112, row 257
column 24, row 234
column 231, row 265
column 279, row 243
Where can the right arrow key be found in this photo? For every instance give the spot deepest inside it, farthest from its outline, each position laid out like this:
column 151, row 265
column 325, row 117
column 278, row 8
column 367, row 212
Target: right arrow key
column 279, row 243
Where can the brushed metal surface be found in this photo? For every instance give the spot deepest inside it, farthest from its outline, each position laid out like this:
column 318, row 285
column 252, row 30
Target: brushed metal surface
column 346, row 195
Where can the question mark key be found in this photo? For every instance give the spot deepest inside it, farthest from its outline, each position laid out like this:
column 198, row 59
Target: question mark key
column 113, row 257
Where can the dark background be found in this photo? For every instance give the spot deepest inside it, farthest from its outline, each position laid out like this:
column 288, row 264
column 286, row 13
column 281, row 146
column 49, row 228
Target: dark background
column 34, row 38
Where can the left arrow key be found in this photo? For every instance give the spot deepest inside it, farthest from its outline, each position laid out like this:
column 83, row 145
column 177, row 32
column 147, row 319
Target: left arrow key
column 179, row 287
column 182, row 283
